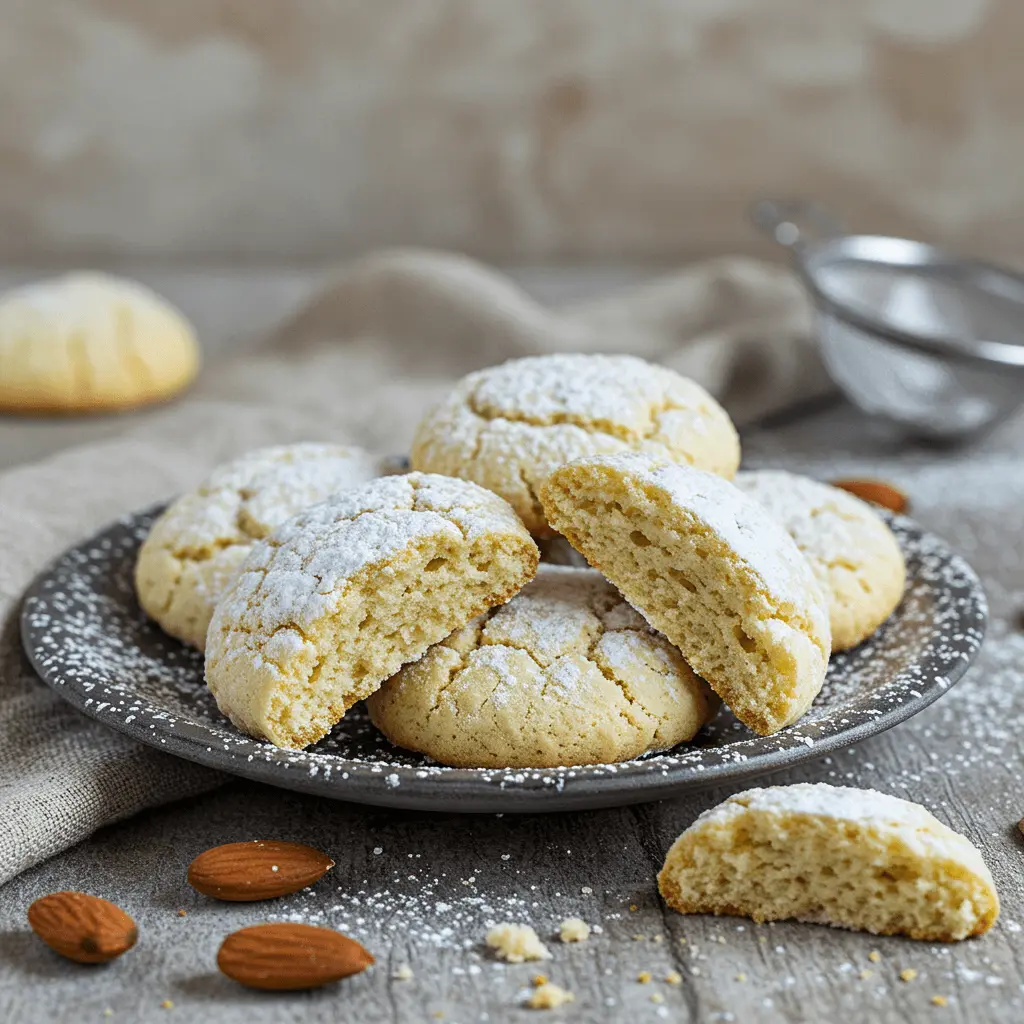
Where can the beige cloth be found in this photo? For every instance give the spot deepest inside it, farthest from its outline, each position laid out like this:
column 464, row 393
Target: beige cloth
column 360, row 363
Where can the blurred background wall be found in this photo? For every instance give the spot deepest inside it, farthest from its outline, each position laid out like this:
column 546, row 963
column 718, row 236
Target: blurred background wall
column 595, row 130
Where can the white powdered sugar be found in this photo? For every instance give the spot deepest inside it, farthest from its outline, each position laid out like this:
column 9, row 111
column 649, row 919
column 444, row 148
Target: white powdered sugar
column 292, row 577
column 828, row 525
column 755, row 536
column 618, row 395
column 916, row 826
column 244, row 500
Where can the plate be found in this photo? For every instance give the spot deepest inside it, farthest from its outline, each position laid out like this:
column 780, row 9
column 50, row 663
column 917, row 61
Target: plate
column 87, row 638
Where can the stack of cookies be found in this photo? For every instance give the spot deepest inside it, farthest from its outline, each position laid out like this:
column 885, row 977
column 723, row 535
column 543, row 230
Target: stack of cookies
column 313, row 581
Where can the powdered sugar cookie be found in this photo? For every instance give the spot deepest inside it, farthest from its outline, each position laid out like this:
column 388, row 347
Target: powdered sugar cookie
column 709, row 568
column 197, row 546
column 566, row 673
column 342, row 595
column 852, row 553
column 851, row 858
column 89, row 342
column 508, row 427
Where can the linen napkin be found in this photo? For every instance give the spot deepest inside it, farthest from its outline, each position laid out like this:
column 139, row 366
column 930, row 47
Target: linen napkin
column 381, row 340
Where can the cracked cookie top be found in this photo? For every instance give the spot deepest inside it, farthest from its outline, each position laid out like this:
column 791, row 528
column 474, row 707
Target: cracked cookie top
column 852, row 553
column 566, row 673
column 91, row 341
column 300, row 569
column 197, row 546
column 508, row 427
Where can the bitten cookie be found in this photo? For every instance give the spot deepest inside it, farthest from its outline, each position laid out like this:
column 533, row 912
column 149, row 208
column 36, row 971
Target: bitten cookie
column 708, row 567
column 852, row 553
column 851, row 858
column 508, row 427
column 342, row 595
column 566, row 673
column 195, row 549
column 90, row 342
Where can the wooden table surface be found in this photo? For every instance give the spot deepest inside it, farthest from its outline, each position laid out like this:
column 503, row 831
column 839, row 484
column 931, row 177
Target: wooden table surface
column 421, row 889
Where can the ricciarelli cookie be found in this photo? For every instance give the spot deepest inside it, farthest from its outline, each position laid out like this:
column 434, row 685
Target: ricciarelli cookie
column 566, row 673
column 850, row 858
column 710, row 569
column 508, row 427
column 851, row 551
column 342, row 595
column 196, row 547
column 91, row 342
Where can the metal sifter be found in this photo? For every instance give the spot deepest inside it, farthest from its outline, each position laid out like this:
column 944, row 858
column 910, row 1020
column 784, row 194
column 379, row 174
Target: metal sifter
column 928, row 341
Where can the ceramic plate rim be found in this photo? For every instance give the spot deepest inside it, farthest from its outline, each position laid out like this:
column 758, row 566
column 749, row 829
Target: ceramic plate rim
column 473, row 790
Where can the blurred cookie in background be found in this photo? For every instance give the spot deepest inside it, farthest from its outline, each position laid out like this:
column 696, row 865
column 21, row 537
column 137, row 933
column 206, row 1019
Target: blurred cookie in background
column 90, row 342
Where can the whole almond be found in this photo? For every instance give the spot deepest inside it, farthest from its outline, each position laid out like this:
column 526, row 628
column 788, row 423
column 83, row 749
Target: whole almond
column 290, row 956
column 82, row 927
column 878, row 492
column 258, row 870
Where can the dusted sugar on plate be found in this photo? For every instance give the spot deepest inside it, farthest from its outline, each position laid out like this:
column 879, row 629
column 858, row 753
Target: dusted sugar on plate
column 566, row 673
column 710, row 569
column 851, row 858
column 509, row 426
column 197, row 546
column 342, row 595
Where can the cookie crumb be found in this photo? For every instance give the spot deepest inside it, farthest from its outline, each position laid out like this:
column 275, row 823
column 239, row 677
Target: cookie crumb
column 516, row 943
column 657, row 938
column 638, row 938
column 657, row 997
column 644, row 977
column 633, row 908
column 539, row 979
column 182, row 913
column 549, row 996
column 673, row 978
column 167, row 1005
column 403, row 973
column 108, row 1012
column 573, row 929
column 741, row 977
column 908, row 974
column 865, row 974
column 874, row 956
column 940, row 1001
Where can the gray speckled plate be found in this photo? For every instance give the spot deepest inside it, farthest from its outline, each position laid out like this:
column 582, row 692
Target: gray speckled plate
column 87, row 638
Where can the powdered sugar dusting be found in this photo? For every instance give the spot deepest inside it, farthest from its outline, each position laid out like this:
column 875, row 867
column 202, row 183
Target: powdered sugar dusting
column 293, row 577
column 88, row 638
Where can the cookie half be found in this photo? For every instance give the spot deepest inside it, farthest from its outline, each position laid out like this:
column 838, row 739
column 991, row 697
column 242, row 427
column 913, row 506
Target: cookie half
column 566, row 673
column 852, row 553
column 342, row 595
column 508, row 427
column 195, row 549
column 90, row 342
column 850, row 858
column 708, row 567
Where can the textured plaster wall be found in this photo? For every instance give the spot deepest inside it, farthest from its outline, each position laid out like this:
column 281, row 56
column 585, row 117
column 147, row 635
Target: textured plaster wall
column 514, row 129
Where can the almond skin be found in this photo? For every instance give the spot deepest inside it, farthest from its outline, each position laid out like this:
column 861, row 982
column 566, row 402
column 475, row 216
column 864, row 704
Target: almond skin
column 83, row 928
column 258, row 870
column 284, row 956
column 878, row 492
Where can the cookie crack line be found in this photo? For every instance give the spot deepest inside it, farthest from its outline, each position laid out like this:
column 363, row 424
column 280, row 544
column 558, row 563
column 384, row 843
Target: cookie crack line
column 566, row 419
column 633, row 702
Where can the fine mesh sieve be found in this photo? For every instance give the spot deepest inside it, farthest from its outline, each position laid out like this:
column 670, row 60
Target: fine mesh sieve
column 925, row 340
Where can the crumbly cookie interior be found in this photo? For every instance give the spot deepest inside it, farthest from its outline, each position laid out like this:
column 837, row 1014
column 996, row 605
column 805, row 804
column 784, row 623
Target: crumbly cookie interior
column 692, row 587
column 824, row 870
column 391, row 618
column 386, row 616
